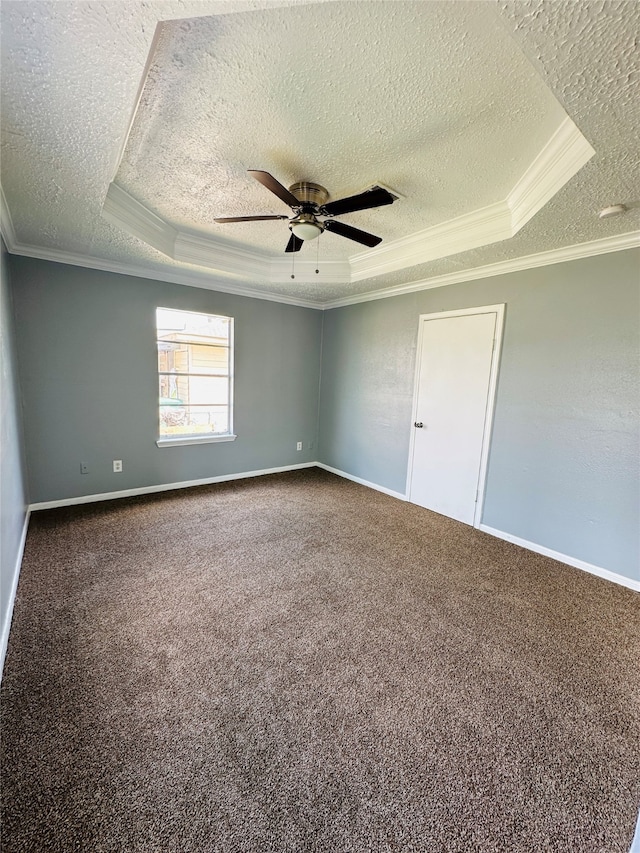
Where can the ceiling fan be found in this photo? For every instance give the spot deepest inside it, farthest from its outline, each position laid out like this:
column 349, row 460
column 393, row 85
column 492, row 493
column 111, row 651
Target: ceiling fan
column 309, row 202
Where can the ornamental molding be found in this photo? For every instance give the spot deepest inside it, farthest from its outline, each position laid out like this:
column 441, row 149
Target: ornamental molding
column 565, row 153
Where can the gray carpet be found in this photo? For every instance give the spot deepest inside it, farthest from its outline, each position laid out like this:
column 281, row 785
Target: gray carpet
column 296, row 663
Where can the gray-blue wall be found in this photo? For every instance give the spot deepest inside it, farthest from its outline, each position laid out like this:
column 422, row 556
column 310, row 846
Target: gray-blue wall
column 563, row 467
column 89, row 378
column 564, row 461
column 13, row 494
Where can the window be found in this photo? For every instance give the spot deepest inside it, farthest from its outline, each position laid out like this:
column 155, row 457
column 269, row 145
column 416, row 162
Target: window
column 194, row 377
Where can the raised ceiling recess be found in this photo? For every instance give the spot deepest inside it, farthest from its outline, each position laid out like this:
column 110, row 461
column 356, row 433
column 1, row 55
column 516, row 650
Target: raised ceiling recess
column 128, row 128
column 433, row 100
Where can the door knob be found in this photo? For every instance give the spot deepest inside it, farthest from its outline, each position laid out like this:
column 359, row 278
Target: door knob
column 418, row 424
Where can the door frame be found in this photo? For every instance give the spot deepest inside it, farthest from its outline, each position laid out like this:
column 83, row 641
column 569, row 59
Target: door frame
column 499, row 311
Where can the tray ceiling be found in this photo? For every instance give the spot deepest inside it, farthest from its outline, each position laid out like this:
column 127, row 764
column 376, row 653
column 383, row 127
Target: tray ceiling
column 127, row 128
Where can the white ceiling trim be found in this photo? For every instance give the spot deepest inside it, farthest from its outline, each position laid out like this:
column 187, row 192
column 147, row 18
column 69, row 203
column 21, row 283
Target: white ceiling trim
column 479, row 228
column 329, row 272
column 6, row 222
column 231, row 260
column 222, row 258
column 562, row 157
column 617, row 243
column 190, row 278
column 197, row 278
column 126, row 212
column 123, row 210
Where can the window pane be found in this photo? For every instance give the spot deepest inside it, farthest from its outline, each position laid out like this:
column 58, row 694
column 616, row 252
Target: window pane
column 193, row 420
column 177, row 357
column 208, row 358
column 193, row 390
column 169, row 391
column 194, row 372
column 184, row 325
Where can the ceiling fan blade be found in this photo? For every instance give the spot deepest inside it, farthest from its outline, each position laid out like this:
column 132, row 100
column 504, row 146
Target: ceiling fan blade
column 371, row 198
column 246, row 218
column 275, row 186
column 352, row 233
column 294, row 244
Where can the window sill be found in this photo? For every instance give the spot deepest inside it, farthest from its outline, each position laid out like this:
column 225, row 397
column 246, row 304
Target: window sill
column 193, row 439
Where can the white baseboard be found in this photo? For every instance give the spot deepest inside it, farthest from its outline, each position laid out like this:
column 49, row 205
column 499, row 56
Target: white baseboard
column 4, row 637
column 166, row 487
column 635, row 841
column 563, row 558
column 144, row 490
column 362, row 482
column 516, row 540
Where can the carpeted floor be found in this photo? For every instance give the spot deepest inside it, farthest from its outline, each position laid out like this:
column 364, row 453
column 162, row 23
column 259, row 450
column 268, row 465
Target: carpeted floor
column 296, row 663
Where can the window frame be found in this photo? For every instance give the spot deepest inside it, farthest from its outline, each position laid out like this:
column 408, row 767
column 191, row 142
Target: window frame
column 199, row 438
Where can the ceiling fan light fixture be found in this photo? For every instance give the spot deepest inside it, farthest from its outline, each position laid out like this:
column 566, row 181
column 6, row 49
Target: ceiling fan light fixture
column 309, row 201
column 306, row 228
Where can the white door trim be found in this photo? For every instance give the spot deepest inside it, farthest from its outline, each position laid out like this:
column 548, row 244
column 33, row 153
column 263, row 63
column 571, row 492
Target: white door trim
column 499, row 311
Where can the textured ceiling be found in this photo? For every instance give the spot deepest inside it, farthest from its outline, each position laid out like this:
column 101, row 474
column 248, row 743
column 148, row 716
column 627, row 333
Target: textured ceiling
column 445, row 102
column 347, row 95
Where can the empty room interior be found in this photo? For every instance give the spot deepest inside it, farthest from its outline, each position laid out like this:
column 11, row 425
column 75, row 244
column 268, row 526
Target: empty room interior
column 320, row 426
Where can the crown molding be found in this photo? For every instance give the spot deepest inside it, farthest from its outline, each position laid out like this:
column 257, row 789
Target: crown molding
column 202, row 279
column 477, row 228
column 618, row 243
column 331, row 272
column 561, row 158
column 219, row 257
column 190, row 278
column 201, row 250
column 6, row 223
column 234, row 261
column 130, row 215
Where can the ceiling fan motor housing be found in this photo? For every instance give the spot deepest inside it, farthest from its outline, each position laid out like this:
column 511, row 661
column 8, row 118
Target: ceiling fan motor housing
column 308, row 201
column 308, row 193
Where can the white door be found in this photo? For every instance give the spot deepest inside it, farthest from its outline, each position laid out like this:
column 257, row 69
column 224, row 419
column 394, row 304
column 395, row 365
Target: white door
column 453, row 406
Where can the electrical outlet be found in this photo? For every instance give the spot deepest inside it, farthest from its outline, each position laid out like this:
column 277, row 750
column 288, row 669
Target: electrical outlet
column 84, row 468
column 299, row 446
column 117, row 466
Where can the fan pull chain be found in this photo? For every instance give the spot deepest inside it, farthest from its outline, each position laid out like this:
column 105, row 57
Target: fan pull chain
column 318, row 253
column 293, row 264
